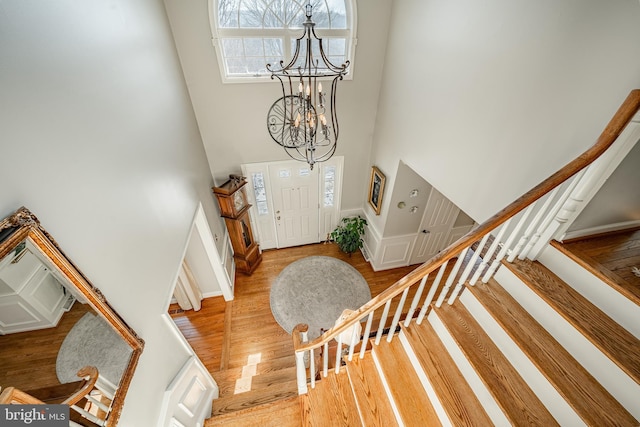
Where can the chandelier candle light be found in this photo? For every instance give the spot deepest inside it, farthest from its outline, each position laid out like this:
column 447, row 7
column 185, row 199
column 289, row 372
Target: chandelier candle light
column 304, row 119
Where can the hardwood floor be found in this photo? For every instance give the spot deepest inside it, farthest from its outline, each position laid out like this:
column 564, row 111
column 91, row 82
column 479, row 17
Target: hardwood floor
column 243, row 333
column 28, row 359
column 610, row 256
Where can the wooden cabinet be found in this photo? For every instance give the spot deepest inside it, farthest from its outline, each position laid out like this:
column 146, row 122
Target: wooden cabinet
column 235, row 210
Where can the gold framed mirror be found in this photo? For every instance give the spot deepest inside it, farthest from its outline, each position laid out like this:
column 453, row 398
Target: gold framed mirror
column 54, row 322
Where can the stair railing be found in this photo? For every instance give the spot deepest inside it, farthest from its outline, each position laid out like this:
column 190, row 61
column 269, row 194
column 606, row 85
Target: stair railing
column 528, row 224
column 92, row 384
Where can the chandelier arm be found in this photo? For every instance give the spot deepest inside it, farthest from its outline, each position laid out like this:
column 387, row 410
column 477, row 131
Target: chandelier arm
column 334, row 113
column 340, row 69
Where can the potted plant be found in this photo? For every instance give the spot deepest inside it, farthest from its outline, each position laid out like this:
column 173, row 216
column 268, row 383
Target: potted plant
column 348, row 234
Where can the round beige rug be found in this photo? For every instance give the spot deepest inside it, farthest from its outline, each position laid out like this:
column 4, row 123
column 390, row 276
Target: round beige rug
column 315, row 290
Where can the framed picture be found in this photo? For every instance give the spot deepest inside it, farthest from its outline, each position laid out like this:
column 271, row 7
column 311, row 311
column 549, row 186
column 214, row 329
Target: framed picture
column 376, row 189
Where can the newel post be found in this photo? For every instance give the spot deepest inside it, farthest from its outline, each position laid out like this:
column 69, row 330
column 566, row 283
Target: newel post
column 300, row 336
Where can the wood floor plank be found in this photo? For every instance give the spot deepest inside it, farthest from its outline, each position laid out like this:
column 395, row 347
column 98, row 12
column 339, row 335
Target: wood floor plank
column 609, row 256
column 511, row 392
column 286, row 413
column 408, row 393
column 581, row 391
column 456, row 396
column 611, row 338
column 373, row 404
column 331, row 402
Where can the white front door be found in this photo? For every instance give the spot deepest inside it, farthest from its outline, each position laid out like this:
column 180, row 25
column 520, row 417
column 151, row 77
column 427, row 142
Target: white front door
column 437, row 221
column 291, row 204
column 294, row 190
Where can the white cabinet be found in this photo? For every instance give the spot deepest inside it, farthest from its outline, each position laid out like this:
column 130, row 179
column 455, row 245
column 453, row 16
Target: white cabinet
column 30, row 296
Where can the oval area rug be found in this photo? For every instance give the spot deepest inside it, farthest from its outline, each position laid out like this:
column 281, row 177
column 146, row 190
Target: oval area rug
column 315, row 290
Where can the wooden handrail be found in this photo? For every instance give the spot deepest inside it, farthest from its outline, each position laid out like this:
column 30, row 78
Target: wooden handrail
column 616, row 125
column 90, row 376
column 12, row 395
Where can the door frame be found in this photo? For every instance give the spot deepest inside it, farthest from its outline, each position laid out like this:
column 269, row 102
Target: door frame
column 265, row 225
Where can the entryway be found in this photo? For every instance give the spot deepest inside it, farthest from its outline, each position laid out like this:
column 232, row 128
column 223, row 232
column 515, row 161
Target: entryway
column 294, row 205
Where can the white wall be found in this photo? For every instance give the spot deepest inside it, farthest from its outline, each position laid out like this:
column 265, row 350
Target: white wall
column 232, row 117
column 500, row 93
column 617, row 201
column 98, row 139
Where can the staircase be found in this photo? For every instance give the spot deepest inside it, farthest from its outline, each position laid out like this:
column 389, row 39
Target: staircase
column 502, row 329
column 494, row 357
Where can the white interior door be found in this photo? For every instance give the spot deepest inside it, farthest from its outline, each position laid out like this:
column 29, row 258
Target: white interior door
column 187, row 400
column 437, row 221
column 294, row 191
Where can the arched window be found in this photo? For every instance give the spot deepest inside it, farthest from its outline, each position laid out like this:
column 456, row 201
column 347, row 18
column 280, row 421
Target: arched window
column 248, row 34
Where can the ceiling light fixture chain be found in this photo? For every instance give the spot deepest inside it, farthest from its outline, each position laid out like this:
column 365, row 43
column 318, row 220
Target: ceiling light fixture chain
column 304, row 120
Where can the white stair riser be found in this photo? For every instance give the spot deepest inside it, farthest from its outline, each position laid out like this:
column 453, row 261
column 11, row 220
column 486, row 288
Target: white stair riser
column 387, row 390
column 600, row 294
column 424, row 380
column 484, row 395
column 619, row 384
column 538, row 383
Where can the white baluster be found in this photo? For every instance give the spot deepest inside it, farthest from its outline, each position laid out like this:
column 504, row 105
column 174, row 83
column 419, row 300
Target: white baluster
column 490, row 252
column 338, row 353
column 365, row 337
column 396, row 317
column 432, row 292
column 354, row 338
column 301, row 374
column 383, row 320
column 106, row 387
column 544, row 226
column 451, row 278
column 467, row 271
column 532, row 227
column 505, row 247
column 312, row 367
column 325, row 360
column 416, row 301
column 96, row 402
column 516, row 232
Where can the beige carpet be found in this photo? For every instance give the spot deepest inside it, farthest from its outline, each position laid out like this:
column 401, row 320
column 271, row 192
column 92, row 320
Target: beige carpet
column 315, row 290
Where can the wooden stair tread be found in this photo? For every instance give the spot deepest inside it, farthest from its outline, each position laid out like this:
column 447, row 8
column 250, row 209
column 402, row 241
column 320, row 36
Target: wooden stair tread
column 270, row 393
column 330, row 403
column 375, row 409
column 612, row 339
column 518, row 402
column 227, row 380
column 455, row 394
column 583, row 393
column 282, row 413
column 409, row 395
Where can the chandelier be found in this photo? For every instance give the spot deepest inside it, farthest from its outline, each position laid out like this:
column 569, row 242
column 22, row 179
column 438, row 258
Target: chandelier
column 304, row 119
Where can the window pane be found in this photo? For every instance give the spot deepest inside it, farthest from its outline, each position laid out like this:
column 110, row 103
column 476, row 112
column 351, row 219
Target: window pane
column 273, row 48
column 253, row 47
column 249, row 27
column 329, row 185
column 232, row 47
column 336, row 46
column 260, row 193
column 228, row 13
